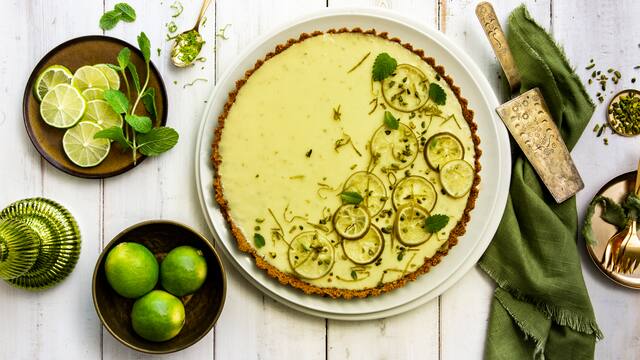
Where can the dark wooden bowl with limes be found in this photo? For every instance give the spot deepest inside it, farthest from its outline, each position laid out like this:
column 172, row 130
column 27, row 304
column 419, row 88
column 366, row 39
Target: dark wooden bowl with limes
column 201, row 308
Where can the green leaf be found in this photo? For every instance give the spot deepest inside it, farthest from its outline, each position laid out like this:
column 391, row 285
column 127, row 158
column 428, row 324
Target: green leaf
column 118, row 100
column 114, row 133
column 141, row 124
column 390, row 121
column 383, row 66
column 110, row 19
column 437, row 94
column 126, row 11
column 258, row 240
column 157, row 141
column 435, row 223
column 149, row 101
column 114, row 67
column 124, row 57
column 351, row 197
column 134, row 76
column 145, row 46
column 354, row 275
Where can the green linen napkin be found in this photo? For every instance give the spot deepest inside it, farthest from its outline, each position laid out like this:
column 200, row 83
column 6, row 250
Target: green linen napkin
column 541, row 308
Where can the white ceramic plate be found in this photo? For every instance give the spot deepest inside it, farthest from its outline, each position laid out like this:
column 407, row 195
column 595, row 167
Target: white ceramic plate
column 495, row 161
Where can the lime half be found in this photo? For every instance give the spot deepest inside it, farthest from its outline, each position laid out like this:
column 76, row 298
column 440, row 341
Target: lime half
column 101, row 113
column 63, row 106
column 89, row 77
column 49, row 78
column 112, row 76
column 415, row 190
column 93, row 94
column 351, row 221
column 365, row 250
column 456, row 178
column 81, row 147
column 442, row 148
column 409, row 225
column 311, row 255
column 370, row 187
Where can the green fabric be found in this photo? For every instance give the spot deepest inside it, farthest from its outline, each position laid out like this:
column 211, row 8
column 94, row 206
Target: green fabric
column 541, row 308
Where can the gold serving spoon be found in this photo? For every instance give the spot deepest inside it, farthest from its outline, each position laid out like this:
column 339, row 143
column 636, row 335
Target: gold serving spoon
column 187, row 45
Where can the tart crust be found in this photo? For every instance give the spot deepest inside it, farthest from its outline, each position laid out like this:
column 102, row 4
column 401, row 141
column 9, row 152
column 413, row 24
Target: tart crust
column 289, row 279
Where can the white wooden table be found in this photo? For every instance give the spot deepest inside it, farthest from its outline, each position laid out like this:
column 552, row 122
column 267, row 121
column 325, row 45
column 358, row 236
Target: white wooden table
column 61, row 323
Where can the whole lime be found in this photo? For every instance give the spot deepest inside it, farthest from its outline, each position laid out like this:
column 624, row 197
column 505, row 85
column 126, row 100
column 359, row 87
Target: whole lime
column 183, row 270
column 131, row 269
column 157, row 316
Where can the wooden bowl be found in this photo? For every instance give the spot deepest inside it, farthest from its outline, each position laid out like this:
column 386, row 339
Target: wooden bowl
column 87, row 50
column 202, row 308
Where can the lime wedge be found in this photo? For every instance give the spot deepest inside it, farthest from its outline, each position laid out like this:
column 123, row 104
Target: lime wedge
column 80, row 146
column 93, row 94
column 311, row 255
column 415, row 190
column 456, row 178
column 112, row 76
column 89, row 77
column 351, row 221
column 49, row 78
column 365, row 250
column 442, row 148
column 409, row 225
column 101, row 113
column 63, row 106
column 370, row 187
column 407, row 89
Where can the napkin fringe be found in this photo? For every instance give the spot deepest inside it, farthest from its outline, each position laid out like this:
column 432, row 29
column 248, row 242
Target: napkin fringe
column 538, row 352
column 561, row 316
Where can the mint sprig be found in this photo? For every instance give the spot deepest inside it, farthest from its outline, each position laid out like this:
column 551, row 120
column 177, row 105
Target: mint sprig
column 390, row 121
column 437, row 94
column 138, row 133
column 351, row 197
column 121, row 11
column 383, row 66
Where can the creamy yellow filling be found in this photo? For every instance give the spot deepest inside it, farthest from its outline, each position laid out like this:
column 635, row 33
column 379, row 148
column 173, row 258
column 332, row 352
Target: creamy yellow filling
column 279, row 144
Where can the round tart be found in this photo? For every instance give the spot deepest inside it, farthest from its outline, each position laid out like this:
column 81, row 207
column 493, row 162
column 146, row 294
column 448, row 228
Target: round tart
column 328, row 159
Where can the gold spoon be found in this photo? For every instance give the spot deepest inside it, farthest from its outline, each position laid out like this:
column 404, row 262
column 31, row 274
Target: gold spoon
column 188, row 44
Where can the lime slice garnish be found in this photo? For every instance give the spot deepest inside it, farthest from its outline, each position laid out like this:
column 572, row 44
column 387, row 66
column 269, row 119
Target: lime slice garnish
column 63, row 106
column 89, row 77
column 93, row 94
column 365, row 250
column 407, row 89
column 409, row 225
column 311, row 255
column 370, row 187
column 415, row 190
column 49, row 78
column 112, row 76
column 101, row 113
column 351, row 221
column 456, row 178
column 442, row 148
column 394, row 149
column 80, row 146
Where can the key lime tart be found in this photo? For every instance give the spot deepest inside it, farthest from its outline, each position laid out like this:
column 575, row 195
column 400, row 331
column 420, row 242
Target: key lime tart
column 346, row 163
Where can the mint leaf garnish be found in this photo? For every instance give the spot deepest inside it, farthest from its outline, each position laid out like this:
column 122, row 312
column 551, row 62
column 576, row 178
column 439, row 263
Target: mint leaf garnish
column 383, row 66
column 157, row 141
column 351, row 197
column 114, row 133
column 145, row 46
column 109, row 20
column 124, row 57
column 390, row 121
column 258, row 240
column 435, row 223
column 117, row 100
column 127, row 13
column 141, row 124
column 437, row 94
column 149, row 101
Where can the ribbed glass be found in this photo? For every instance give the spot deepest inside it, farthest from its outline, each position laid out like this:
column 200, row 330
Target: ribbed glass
column 19, row 248
column 59, row 245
